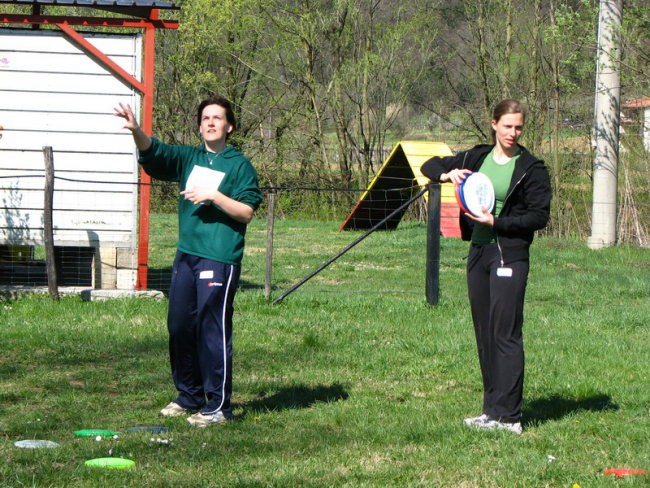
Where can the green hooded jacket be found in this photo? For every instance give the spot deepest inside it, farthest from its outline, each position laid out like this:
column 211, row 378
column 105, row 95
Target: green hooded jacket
column 205, row 230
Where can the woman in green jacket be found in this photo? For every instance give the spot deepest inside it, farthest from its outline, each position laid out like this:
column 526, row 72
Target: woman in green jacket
column 219, row 192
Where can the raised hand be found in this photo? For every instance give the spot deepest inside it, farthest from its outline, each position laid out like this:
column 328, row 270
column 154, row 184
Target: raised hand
column 126, row 113
column 142, row 140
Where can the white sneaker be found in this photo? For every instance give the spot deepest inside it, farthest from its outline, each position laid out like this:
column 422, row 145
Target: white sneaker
column 173, row 409
column 475, row 421
column 514, row 427
column 484, row 422
column 203, row 420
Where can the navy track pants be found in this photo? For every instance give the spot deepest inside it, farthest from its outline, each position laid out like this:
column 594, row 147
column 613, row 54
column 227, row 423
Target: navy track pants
column 199, row 321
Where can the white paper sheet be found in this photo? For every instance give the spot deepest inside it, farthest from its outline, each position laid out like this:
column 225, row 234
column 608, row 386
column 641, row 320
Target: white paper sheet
column 201, row 177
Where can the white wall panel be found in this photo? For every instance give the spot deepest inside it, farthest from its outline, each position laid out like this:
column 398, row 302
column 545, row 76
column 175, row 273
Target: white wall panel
column 59, row 63
column 62, row 122
column 53, row 94
column 69, row 237
column 89, row 142
column 77, row 102
column 56, row 43
column 78, row 220
column 55, row 83
column 65, row 200
column 64, row 162
column 69, row 182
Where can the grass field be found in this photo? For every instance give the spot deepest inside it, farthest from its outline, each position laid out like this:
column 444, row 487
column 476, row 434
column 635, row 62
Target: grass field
column 352, row 381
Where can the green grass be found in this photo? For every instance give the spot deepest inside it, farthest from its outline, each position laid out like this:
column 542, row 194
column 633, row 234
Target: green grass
column 352, row 381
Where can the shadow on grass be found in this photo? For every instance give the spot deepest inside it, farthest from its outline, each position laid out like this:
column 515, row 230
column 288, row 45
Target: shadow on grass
column 295, row 397
column 558, row 406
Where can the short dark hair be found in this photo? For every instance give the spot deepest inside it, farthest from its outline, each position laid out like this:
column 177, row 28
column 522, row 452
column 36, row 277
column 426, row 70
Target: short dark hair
column 222, row 102
column 507, row 106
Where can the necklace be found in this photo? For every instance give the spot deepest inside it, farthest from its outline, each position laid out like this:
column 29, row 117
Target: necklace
column 211, row 160
column 215, row 154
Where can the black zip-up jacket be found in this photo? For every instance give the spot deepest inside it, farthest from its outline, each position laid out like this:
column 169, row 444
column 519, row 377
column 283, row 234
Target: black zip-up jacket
column 527, row 206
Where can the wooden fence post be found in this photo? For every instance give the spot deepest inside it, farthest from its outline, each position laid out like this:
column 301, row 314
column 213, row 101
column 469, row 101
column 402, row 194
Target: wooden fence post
column 433, row 245
column 48, row 237
column 270, row 220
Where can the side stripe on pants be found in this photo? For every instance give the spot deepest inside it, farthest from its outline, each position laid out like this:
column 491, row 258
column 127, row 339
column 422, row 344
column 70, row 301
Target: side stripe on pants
column 200, row 331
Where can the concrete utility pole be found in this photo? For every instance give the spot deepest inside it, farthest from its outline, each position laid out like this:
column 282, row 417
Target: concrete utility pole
column 607, row 116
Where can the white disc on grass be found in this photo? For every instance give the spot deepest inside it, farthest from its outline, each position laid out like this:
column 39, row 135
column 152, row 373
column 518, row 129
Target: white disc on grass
column 35, row 444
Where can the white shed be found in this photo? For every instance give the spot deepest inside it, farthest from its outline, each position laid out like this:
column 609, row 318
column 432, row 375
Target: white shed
column 53, row 94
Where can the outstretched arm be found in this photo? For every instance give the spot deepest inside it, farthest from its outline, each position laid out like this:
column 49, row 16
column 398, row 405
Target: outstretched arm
column 141, row 139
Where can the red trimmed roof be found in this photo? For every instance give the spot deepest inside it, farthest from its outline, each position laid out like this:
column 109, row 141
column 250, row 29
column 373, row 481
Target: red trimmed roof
column 159, row 4
column 638, row 103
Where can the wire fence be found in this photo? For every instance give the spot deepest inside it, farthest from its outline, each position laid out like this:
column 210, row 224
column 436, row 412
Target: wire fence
column 287, row 240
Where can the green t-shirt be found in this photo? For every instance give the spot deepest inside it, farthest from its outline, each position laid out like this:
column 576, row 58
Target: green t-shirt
column 500, row 175
column 205, row 230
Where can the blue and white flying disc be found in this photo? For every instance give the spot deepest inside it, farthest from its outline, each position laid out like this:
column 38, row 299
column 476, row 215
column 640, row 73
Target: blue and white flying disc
column 476, row 192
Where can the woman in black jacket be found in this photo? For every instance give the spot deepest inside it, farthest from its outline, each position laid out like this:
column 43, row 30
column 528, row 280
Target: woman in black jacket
column 497, row 266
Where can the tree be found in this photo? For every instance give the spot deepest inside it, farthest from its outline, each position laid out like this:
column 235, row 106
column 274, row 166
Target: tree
column 351, row 61
column 222, row 56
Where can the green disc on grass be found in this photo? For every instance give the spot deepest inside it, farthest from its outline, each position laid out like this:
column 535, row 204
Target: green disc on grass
column 110, row 463
column 95, row 433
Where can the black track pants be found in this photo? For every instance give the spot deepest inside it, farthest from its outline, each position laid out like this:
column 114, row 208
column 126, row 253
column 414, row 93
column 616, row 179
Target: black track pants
column 496, row 295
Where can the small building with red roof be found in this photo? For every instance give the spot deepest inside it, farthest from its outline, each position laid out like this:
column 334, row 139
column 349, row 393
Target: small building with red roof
column 638, row 111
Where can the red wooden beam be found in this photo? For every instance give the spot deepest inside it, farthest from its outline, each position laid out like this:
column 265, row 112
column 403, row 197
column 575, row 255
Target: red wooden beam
column 86, row 21
column 100, row 57
column 145, row 179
